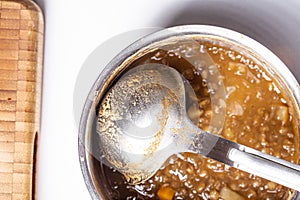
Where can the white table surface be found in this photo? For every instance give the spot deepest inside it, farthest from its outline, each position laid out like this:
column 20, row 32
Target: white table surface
column 75, row 28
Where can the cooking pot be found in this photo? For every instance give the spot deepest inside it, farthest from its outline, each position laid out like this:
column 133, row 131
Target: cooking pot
column 91, row 159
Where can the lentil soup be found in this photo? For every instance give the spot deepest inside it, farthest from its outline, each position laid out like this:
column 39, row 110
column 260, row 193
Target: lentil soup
column 259, row 115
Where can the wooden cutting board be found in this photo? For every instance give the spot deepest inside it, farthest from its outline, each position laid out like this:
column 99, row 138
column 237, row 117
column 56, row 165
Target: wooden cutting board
column 21, row 45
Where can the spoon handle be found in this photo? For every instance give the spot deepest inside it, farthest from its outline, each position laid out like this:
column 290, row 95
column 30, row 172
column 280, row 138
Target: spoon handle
column 247, row 159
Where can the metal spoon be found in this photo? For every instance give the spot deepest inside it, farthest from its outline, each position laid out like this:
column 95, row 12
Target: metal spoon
column 143, row 121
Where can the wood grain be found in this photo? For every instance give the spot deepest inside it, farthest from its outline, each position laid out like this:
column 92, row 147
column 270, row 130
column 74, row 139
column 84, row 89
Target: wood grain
column 21, row 45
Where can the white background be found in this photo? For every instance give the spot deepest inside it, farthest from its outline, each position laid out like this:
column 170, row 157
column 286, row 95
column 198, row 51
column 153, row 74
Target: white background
column 75, row 28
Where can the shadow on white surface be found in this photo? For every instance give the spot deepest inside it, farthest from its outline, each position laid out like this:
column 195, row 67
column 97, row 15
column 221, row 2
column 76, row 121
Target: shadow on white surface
column 275, row 24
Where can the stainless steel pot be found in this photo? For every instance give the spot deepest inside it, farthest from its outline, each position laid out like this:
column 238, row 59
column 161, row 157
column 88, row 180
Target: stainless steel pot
column 90, row 153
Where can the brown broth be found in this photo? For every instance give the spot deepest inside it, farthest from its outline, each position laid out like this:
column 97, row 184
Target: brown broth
column 258, row 115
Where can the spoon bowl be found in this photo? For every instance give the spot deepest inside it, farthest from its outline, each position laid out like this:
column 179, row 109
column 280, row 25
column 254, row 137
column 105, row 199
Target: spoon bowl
column 145, row 120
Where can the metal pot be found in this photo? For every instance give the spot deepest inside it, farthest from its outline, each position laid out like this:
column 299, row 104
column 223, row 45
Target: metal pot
column 90, row 153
